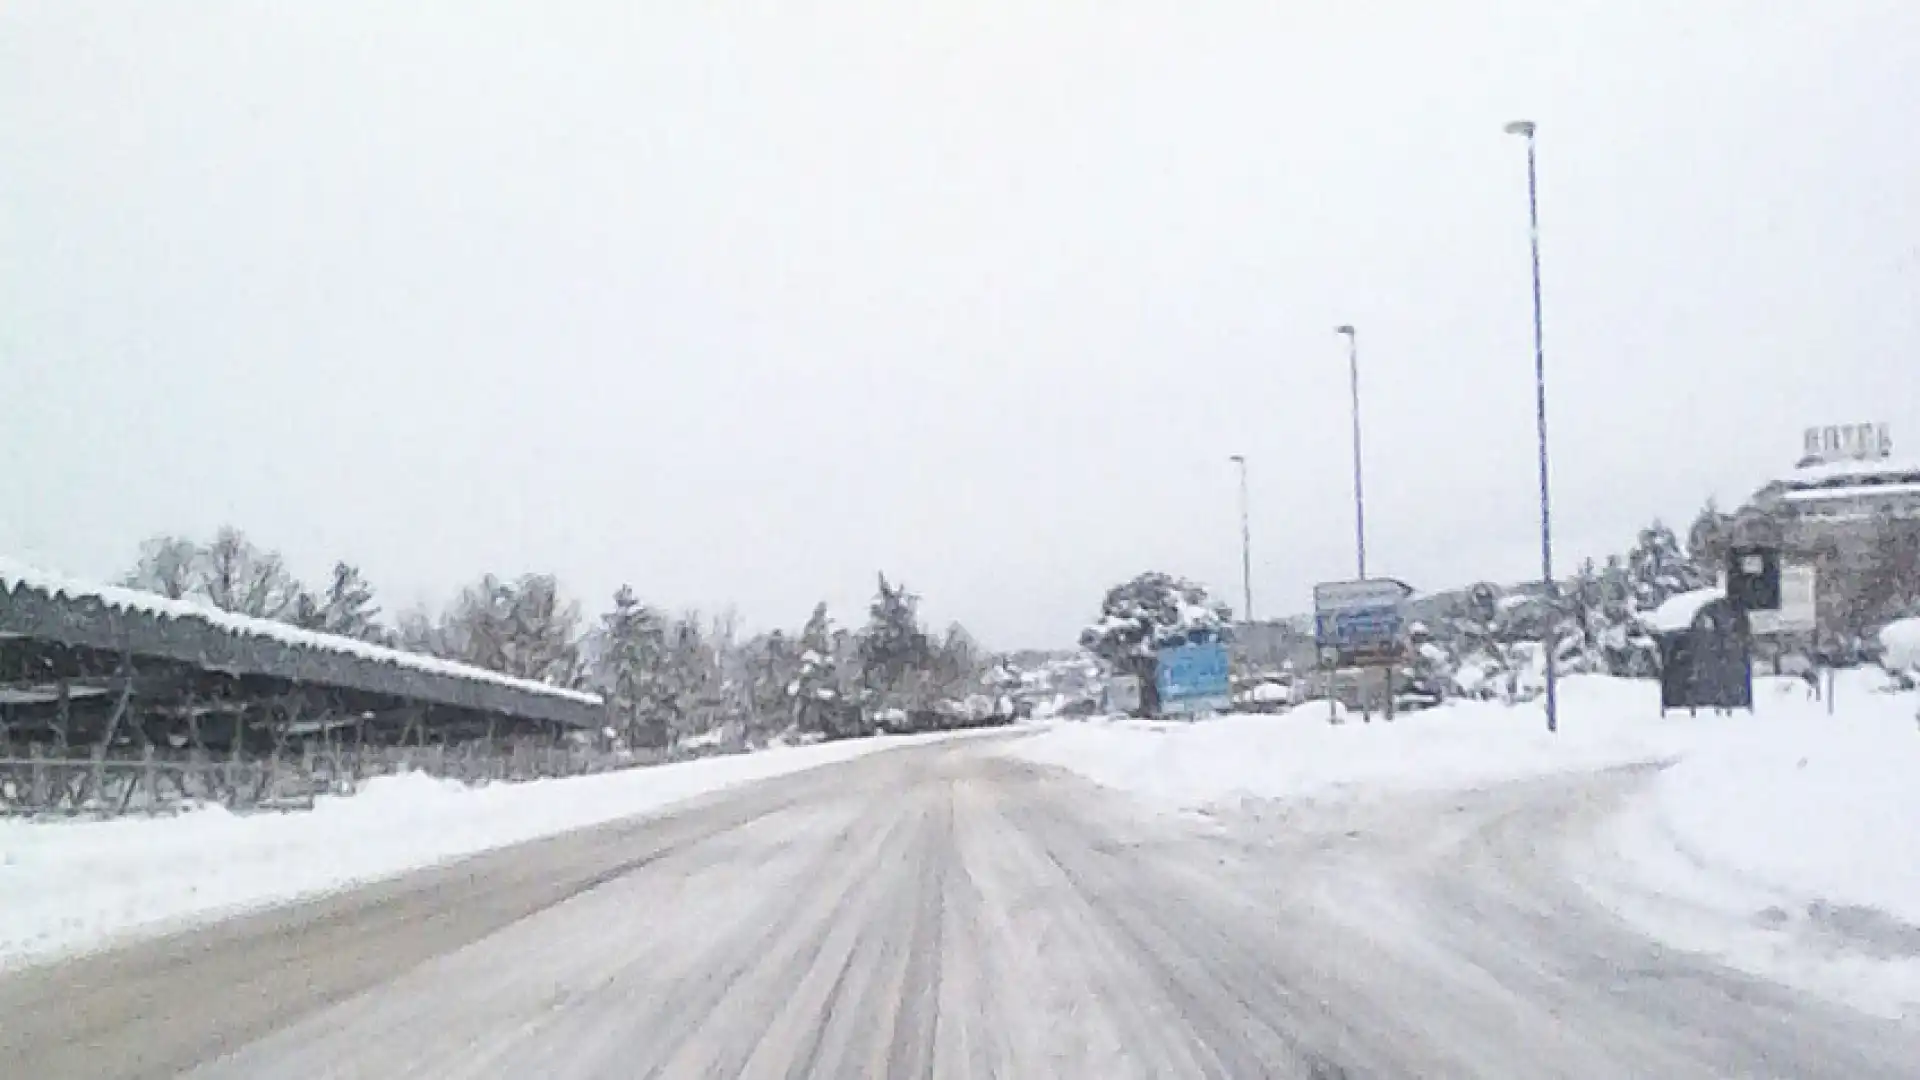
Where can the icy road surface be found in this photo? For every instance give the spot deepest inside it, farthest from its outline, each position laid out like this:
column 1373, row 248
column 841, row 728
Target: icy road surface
column 940, row 911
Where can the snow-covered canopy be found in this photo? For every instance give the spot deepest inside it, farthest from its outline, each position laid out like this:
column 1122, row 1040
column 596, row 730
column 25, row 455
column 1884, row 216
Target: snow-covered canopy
column 18, row 581
column 1678, row 612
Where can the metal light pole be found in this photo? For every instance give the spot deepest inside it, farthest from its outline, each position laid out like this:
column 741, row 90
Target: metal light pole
column 1524, row 128
column 1246, row 541
column 1359, row 486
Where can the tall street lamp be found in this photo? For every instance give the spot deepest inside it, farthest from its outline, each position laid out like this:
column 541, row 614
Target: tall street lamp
column 1246, row 541
column 1524, row 128
column 1359, row 486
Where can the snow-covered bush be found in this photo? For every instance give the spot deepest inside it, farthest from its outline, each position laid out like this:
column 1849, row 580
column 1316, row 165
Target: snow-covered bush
column 1900, row 649
column 1153, row 611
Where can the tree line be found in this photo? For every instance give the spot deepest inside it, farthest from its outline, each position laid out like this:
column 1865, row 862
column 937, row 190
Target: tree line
column 668, row 677
column 1600, row 623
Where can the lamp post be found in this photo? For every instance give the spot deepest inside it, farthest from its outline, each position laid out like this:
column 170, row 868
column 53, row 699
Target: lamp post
column 1359, row 484
column 1246, row 542
column 1524, row 129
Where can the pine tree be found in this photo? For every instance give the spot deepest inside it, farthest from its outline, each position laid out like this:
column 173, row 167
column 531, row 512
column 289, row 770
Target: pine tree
column 692, row 686
column 892, row 647
column 520, row 628
column 959, row 665
column 630, row 648
column 814, row 692
column 1709, row 539
column 346, row 608
column 765, row 667
column 1657, row 568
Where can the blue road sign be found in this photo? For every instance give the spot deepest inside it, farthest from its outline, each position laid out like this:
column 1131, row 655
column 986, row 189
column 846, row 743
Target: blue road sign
column 1194, row 678
column 1358, row 628
column 1359, row 621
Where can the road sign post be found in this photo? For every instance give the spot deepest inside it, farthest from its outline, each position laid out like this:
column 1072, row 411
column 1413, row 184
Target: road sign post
column 1359, row 624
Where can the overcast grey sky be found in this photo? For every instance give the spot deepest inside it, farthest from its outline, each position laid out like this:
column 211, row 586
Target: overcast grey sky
column 742, row 302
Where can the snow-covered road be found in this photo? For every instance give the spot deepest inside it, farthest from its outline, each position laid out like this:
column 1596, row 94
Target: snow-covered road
column 68, row 886
column 1782, row 841
column 944, row 911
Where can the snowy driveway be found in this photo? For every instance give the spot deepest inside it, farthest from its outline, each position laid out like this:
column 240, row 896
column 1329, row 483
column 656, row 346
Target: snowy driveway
column 943, row 911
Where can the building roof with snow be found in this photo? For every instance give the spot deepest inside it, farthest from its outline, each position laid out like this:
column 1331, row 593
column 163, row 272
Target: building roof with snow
column 44, row 606
column 1679, row 610
column 1847, row 488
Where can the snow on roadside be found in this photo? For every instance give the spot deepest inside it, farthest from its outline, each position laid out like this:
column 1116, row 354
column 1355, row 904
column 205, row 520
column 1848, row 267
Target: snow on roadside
column 1900, row 641
column 1785, row 842
column 1186, row 766
column 67, row 886
column 1788, row 845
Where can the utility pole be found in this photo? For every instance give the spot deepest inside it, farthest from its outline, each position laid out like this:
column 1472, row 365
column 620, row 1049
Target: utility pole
column 1359, row 480
column 1359, row 500
column 1246, row 542
column 1524, row 128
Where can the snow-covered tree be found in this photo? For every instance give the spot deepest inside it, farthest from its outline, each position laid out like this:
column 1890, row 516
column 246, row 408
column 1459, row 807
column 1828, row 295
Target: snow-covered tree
column 958, row 663
column 1658, row 568
column 346, row 608
column 240, row 577
column 694, row 685
column 759, row 672
column 629, row 658
column 418, row 630
column 521, row 628
column 816, row 687
column 893, row 646
column 1709, row 539
column 1151, row 612
column 169, row 566
column 232, row 574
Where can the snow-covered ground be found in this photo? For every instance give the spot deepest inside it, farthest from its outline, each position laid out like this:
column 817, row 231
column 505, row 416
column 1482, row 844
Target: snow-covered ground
column 1182, row 766
column 1786, row 842
column 1789, row 845
column 66, row 886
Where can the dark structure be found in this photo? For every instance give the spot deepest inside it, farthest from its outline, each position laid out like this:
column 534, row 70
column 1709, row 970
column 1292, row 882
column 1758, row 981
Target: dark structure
column 1753, row 577
column 110, row 672
column 1706, row 657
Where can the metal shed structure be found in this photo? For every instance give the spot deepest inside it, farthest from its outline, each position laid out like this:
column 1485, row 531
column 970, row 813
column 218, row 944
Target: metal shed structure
column 94, row 672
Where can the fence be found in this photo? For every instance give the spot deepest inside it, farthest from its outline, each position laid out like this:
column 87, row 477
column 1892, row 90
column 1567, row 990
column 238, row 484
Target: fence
column 161, row 781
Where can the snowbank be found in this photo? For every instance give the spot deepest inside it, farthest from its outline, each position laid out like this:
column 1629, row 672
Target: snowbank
column 1788, row 844
column 1461, row 744
column 1900, row 645
column 1817, row 806
column 72, row 885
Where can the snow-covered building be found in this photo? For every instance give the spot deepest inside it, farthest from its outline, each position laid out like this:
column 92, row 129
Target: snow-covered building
column 1848, row 481
column 1848, row 512
column 1827, row 497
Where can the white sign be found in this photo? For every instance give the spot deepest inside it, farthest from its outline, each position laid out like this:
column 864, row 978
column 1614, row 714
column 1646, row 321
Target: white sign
column 1359, row 595
column 1799, row 605
column 1848, row 442
column 1123, row 694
